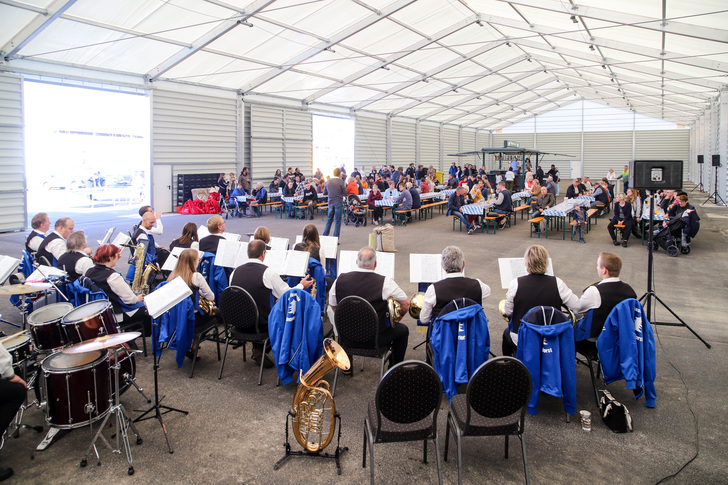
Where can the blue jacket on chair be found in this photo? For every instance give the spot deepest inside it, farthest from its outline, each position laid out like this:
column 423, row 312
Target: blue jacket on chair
column 178, row 321
column 319, row 275
column 215, row 276
column 461, row 342
column 627, row 350
column 546, row 348
column 296, row 334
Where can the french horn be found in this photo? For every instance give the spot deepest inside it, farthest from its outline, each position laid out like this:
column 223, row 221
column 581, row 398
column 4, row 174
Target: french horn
column 416, row 303
column 502, row 310
column 395, row 310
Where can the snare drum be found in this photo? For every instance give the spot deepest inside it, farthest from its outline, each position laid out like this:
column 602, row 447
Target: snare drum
column 89, row 321
column 76, row 388
column 45, row 326
column 19, row 346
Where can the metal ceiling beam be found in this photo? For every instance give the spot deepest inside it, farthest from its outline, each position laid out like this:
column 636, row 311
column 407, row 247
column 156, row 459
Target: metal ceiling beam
column 35, row 27
column 504, row 123
column 338, row 37
column 24, row 6
column 433, row 72
column 222, row 29
column 393, row 58
column 626, row 19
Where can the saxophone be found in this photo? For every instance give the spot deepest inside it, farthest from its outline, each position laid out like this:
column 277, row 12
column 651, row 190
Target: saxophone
column 142, row 274
column 313, row 400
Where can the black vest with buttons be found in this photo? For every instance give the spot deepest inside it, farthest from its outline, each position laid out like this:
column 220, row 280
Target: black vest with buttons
column 534, row 290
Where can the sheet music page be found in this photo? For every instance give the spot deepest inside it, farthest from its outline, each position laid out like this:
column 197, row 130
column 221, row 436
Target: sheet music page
column 347, row 261
column 296, row 263
column 242, row 256
column 385, row 264
column 425, row 268
column 330, row 245
column 107, row 236
column 7, row 266
column 161, row 300
column 121, row 239
column 299, row 239
column 227, row 253
column 176, row 251
column 43, row 272
column 279, row 243
column 276, row 260
column 511, row 268
column 202, row 232
column 171, row 262
column 230, row 236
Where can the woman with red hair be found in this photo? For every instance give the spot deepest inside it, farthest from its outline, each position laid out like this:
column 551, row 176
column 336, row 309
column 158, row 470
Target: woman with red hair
column 112, row 283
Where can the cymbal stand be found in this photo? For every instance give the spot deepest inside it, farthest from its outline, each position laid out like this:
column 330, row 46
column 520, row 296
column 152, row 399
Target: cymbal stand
column 123, row 423
column 157, row 407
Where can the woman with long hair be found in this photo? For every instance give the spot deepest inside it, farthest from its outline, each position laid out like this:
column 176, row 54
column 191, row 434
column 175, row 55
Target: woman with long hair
column 262, row 233
column 312, row 243
column 222, row 185
column 188, row 239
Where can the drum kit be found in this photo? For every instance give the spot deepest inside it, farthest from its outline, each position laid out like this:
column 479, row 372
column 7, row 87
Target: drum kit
column 78, row 364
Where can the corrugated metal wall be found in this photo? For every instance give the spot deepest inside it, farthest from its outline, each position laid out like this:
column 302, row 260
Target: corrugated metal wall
column 370, row 141
column 12, row 155
column 467, row 144
column 663, row 145
column 279, row 138
column 429, row 145
column 403, row 142
column 604, row 150
column 450, row 144
column 194, row 133
column 564, row 143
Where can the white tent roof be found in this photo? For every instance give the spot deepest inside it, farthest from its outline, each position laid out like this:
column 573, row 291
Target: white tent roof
column 479, row 63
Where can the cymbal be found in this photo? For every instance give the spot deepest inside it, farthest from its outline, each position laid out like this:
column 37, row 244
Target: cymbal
column 23, row 289
column 103, row 342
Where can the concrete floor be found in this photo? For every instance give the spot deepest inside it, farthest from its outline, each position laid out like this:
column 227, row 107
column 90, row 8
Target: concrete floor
column 235, row 430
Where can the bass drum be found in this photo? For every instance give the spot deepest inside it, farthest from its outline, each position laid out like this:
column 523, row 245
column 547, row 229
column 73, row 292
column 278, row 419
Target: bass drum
column 76, row 388
column 89, row 321
column 19, row 346
column 45, row 326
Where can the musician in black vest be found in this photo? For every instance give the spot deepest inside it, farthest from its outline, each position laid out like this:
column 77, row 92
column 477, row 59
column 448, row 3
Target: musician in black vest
column 503, row 204
column 54, row 244
column 375, row 289
column 454, row 285
column 604, row 296
column 40, row 224
column 261, row 281
column 535, row 289
column 216, row 226
column 146, row 230
column 76, row 260
column 102, row 273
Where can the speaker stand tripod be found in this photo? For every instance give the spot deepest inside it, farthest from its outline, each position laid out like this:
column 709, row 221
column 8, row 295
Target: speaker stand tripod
column 650, row 294
column 157, row 408
column 700, row 185
column 715, row 196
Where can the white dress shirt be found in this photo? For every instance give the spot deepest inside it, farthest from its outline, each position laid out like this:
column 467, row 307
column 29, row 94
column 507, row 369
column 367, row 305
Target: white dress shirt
column 271, row 280
column 34, row 243
column 201, row 284
column 431, row 296
column 57, row 247
column 592, row 298
column 389, row 288
column 83, row 263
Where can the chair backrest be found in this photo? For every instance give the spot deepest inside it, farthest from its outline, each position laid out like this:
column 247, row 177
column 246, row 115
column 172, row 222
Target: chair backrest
column 357, row 322
column 455, row 304
column 238, row 310
column 409, row 392
column 499, row 388
column 215, row 276
column 544, row 315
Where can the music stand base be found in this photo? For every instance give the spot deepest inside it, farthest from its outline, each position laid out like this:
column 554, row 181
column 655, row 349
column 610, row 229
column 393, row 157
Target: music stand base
column 335, row 456
column 652, row 294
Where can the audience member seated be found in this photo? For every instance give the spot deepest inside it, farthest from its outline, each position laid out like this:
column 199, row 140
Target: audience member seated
column 54, row 244
column 351, row 187
column 454, row 285
column 600, row 194
column 424, row 186
column 574, row 189
column 375, row 289
column 310, row 199
column 216, row 226
column 454, row 204
column 40, row 224
column 76, row 260
column 233, row 201
column 545, row 200
column 188, row 239
column 503, row 204
column 622, row 215
column 391, row 191
column 377, row 212
column 452, row 182
column 551, row 186
column 535, row 289
column 690, row 218
column 416, row 201
column 261, row 281
column 402, row 203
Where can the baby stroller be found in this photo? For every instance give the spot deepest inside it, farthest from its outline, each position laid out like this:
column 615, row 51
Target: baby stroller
column 669, row 238
column 356, row 212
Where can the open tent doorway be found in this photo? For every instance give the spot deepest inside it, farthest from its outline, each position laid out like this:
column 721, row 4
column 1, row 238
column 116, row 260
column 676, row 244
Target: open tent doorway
column 87, row 151
column 333, row 144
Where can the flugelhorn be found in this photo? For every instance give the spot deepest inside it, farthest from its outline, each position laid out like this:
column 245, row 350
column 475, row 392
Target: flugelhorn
column 313, row 400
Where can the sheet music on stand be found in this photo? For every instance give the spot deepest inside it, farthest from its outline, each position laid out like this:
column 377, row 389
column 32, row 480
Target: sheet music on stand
column 511, row 268
column 231, row 254
column 164, row 298
column 279, row 243
column 107, row 236
column 171, row 263
column 385, row 263
column 202, row 232
column 7, row 266
column 426, row 268
column 121, row 239
column 43, row 272
column 231, row 236
column 329, row 244
column 287, row 263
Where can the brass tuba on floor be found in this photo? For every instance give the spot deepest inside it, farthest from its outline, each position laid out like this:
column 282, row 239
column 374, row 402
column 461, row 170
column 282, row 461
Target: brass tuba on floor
column 313, row 400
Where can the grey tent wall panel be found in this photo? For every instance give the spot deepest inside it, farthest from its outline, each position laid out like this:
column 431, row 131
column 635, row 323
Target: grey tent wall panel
column 662, row 145
column 403, row 138
column 604, row 150
column 564, row 143
column 12, row 155
column 370, row 141
column 279, row 138
column 430, row 145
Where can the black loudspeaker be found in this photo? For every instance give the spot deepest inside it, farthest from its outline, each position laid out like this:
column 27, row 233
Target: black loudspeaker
column 716, row 160
column 701, row 159
column 656, row 174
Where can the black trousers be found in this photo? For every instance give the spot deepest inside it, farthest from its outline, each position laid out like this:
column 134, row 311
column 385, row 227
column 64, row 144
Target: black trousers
column 398, row 336
column 377, row 212
column 626, row 232
column 508, row 347
column 12, row 395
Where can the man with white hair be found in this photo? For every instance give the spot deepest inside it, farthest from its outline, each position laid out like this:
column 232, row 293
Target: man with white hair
column 375, row 289
column 454, row 285
column 76, row 260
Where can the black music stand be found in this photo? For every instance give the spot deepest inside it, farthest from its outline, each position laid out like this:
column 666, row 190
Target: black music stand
column 650, row 293
column 159, row 409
